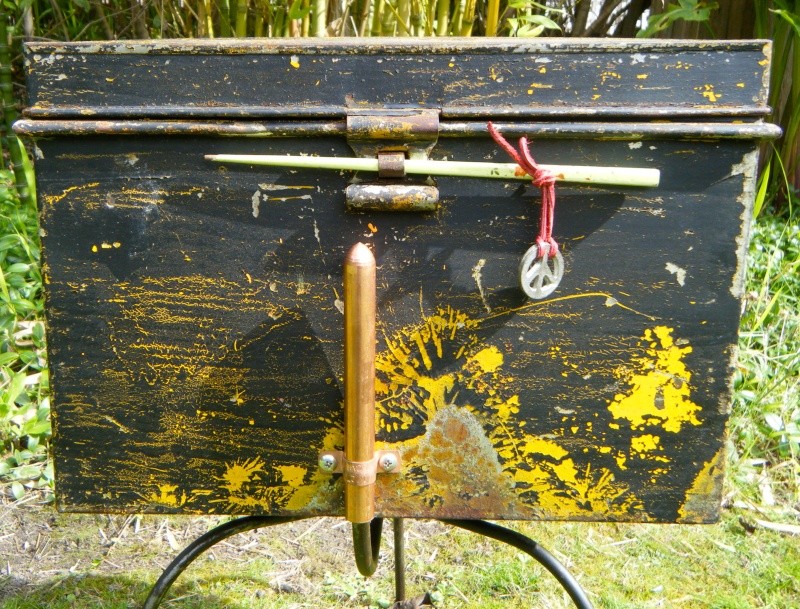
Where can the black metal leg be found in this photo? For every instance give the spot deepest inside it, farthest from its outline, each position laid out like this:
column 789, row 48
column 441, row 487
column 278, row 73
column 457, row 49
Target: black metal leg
column 366, row 541
column 530, row 547
column 203, row 543
column 399, row 560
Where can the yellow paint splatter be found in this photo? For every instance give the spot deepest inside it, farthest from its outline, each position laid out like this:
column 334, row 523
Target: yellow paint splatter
column 292, row 475
column 608, row 74
column 535, row 85
column 166, row 495
column 659, row 391
column 645, row 443
column 51, row 199
column 708, row 92
column 238, row 474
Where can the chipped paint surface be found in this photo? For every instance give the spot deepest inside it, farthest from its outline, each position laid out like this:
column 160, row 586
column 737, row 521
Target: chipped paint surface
column 680, row 273
column 705, row 491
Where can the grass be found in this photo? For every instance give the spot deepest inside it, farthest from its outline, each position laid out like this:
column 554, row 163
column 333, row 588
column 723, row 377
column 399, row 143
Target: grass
column 765, row 423
column 621, row 566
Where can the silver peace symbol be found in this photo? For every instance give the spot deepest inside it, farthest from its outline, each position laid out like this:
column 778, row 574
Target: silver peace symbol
column 537, row 278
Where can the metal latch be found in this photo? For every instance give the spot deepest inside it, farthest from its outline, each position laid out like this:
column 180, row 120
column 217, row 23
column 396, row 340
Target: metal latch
column 392, row 137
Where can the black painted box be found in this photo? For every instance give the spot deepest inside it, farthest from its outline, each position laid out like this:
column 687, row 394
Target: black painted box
column 194, row 309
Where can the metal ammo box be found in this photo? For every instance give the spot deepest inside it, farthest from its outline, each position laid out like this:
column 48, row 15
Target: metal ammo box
column 195, row 307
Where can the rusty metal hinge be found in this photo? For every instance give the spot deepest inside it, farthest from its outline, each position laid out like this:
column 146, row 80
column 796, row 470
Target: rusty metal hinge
column 392, row 136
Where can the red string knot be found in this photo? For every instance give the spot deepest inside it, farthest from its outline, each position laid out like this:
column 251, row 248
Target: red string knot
column 543, row 179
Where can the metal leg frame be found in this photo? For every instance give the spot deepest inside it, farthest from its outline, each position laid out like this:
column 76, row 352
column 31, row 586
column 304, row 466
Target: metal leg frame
column 203, row 543
column 366, row 543
column 533, row 549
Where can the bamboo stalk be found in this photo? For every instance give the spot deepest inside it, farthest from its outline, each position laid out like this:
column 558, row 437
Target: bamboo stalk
column 469, row 18
column 306, row 21
column 442, row 17
column 492, row 17
column 320, row 18
column 458, row 18
column 618, row 176
column 241, row 18
column 205, row 7
column 364, row 23
column 258, row 20
column 224, row 18
column 389, row 25
column 430, row 16
column 404, row 17
column 377, row 16
column 416, row 20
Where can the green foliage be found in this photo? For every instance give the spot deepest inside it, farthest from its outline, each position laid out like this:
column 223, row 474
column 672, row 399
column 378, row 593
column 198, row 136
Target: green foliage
column 24, row 405
column 684, row 10
column 527, row 23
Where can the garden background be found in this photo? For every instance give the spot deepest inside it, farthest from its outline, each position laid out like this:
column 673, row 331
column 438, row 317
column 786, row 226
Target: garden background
column 750, row 559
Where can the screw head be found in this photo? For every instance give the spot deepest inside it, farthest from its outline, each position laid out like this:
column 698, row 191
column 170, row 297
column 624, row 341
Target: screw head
column 327, row 463
column 388, row 462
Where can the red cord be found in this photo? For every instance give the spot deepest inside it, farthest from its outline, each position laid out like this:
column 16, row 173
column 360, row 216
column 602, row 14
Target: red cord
column 542, row 179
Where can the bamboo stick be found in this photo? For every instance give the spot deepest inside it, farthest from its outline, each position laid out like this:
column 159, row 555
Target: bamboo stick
column 616, row 176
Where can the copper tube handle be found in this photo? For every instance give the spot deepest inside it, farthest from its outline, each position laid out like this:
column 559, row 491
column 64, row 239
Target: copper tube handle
column 359, row 378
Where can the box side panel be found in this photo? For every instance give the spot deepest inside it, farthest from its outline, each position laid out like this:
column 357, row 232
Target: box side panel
column 195, row 332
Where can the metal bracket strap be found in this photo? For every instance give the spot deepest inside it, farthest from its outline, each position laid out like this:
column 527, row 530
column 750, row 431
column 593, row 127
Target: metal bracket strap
column 360, row 473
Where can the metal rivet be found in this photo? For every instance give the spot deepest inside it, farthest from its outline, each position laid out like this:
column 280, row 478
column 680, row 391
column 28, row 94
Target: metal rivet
column 388, row 462
column 327, row 463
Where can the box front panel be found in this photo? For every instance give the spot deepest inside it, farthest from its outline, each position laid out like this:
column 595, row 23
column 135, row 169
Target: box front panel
column 195, row 331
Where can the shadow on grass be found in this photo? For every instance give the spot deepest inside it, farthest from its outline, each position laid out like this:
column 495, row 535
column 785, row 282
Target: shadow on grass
column 80, row 591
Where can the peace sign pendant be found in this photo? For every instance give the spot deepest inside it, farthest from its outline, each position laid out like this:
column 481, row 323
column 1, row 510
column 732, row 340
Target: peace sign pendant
column 537, row 277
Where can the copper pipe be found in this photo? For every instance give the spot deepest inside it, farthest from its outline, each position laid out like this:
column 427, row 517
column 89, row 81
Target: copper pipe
column 359, row 384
